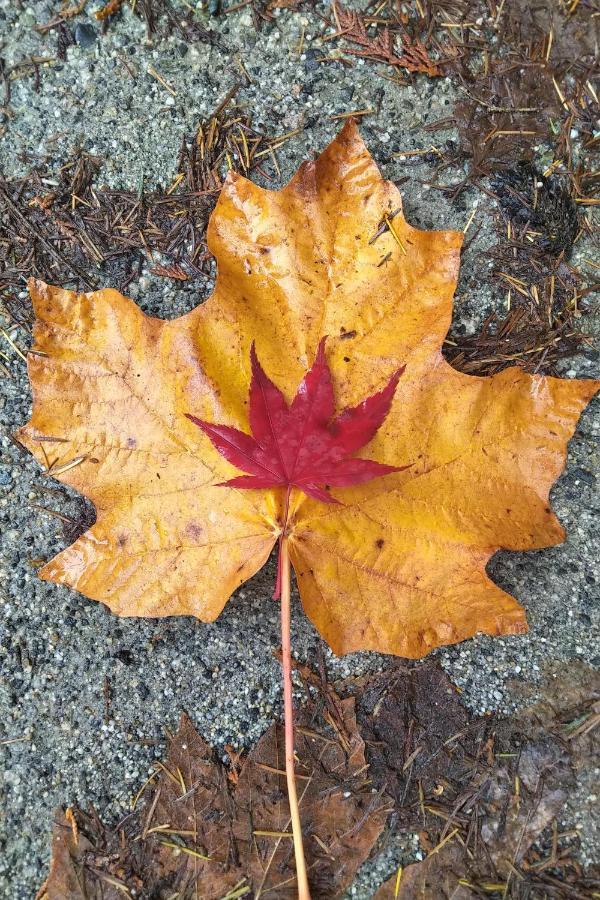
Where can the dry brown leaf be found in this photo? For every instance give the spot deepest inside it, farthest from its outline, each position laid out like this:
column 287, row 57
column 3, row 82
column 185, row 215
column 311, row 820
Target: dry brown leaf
column 400, row 567
column 422, row 741
column 436, row 878
column 173, row 271
column 568, row 706
column 199, row 836
column 502, row 784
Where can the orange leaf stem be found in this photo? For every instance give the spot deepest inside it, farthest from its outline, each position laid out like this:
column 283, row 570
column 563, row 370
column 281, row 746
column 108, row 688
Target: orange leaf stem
column 286, row 662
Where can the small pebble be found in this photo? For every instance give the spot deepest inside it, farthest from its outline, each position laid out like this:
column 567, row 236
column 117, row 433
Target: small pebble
column 85, row 35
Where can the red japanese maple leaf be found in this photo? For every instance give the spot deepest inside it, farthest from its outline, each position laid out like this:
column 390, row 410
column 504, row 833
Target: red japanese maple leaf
column 300, row 445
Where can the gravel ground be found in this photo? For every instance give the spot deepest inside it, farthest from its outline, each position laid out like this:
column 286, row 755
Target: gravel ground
column 56, row 648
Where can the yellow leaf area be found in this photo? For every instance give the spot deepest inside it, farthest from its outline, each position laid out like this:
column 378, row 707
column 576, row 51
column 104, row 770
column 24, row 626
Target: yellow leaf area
column 399, row 567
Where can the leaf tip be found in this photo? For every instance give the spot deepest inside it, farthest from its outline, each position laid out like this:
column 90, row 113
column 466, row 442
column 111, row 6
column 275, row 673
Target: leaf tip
column 396, row 377
column 257, row 370
column 37, row 289
column 231, row 177
column 320, row 357
column 199, row 422
column 350, row 131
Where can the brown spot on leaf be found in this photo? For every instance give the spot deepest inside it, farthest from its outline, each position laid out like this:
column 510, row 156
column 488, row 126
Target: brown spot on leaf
column 194, row 530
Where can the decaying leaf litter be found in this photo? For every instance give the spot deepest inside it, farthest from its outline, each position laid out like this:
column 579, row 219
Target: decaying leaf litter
column 401, row 749
column 542, row 368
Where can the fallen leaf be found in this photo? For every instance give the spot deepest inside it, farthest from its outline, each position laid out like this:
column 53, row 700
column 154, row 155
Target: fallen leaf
column 517, row 804
column 173, row 271
column 504, row 783
column 436, row 878
column 67, row 878
column 90, row 861
column 567, row 705
column 198, row 835
column 509, row 809
column 507, row 784
column 297, row 446
column 422, row 740
column 400, row 566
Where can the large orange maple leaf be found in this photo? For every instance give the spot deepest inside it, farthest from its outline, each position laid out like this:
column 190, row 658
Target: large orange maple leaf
column 399, row 565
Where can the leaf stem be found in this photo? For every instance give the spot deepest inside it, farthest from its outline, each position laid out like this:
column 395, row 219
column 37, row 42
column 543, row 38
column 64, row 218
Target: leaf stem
column 288, row 712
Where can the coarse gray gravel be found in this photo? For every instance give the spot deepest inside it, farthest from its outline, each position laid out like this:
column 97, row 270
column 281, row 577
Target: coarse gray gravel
column 57, row 648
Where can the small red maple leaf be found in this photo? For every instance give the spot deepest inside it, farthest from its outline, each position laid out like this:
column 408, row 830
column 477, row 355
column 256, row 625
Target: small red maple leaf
column 300, row 445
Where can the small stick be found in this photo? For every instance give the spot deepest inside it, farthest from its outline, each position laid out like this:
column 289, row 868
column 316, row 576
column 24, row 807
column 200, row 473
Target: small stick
column 288, row 712
column 10, row 341
column 354, row 113
column 152, row 71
